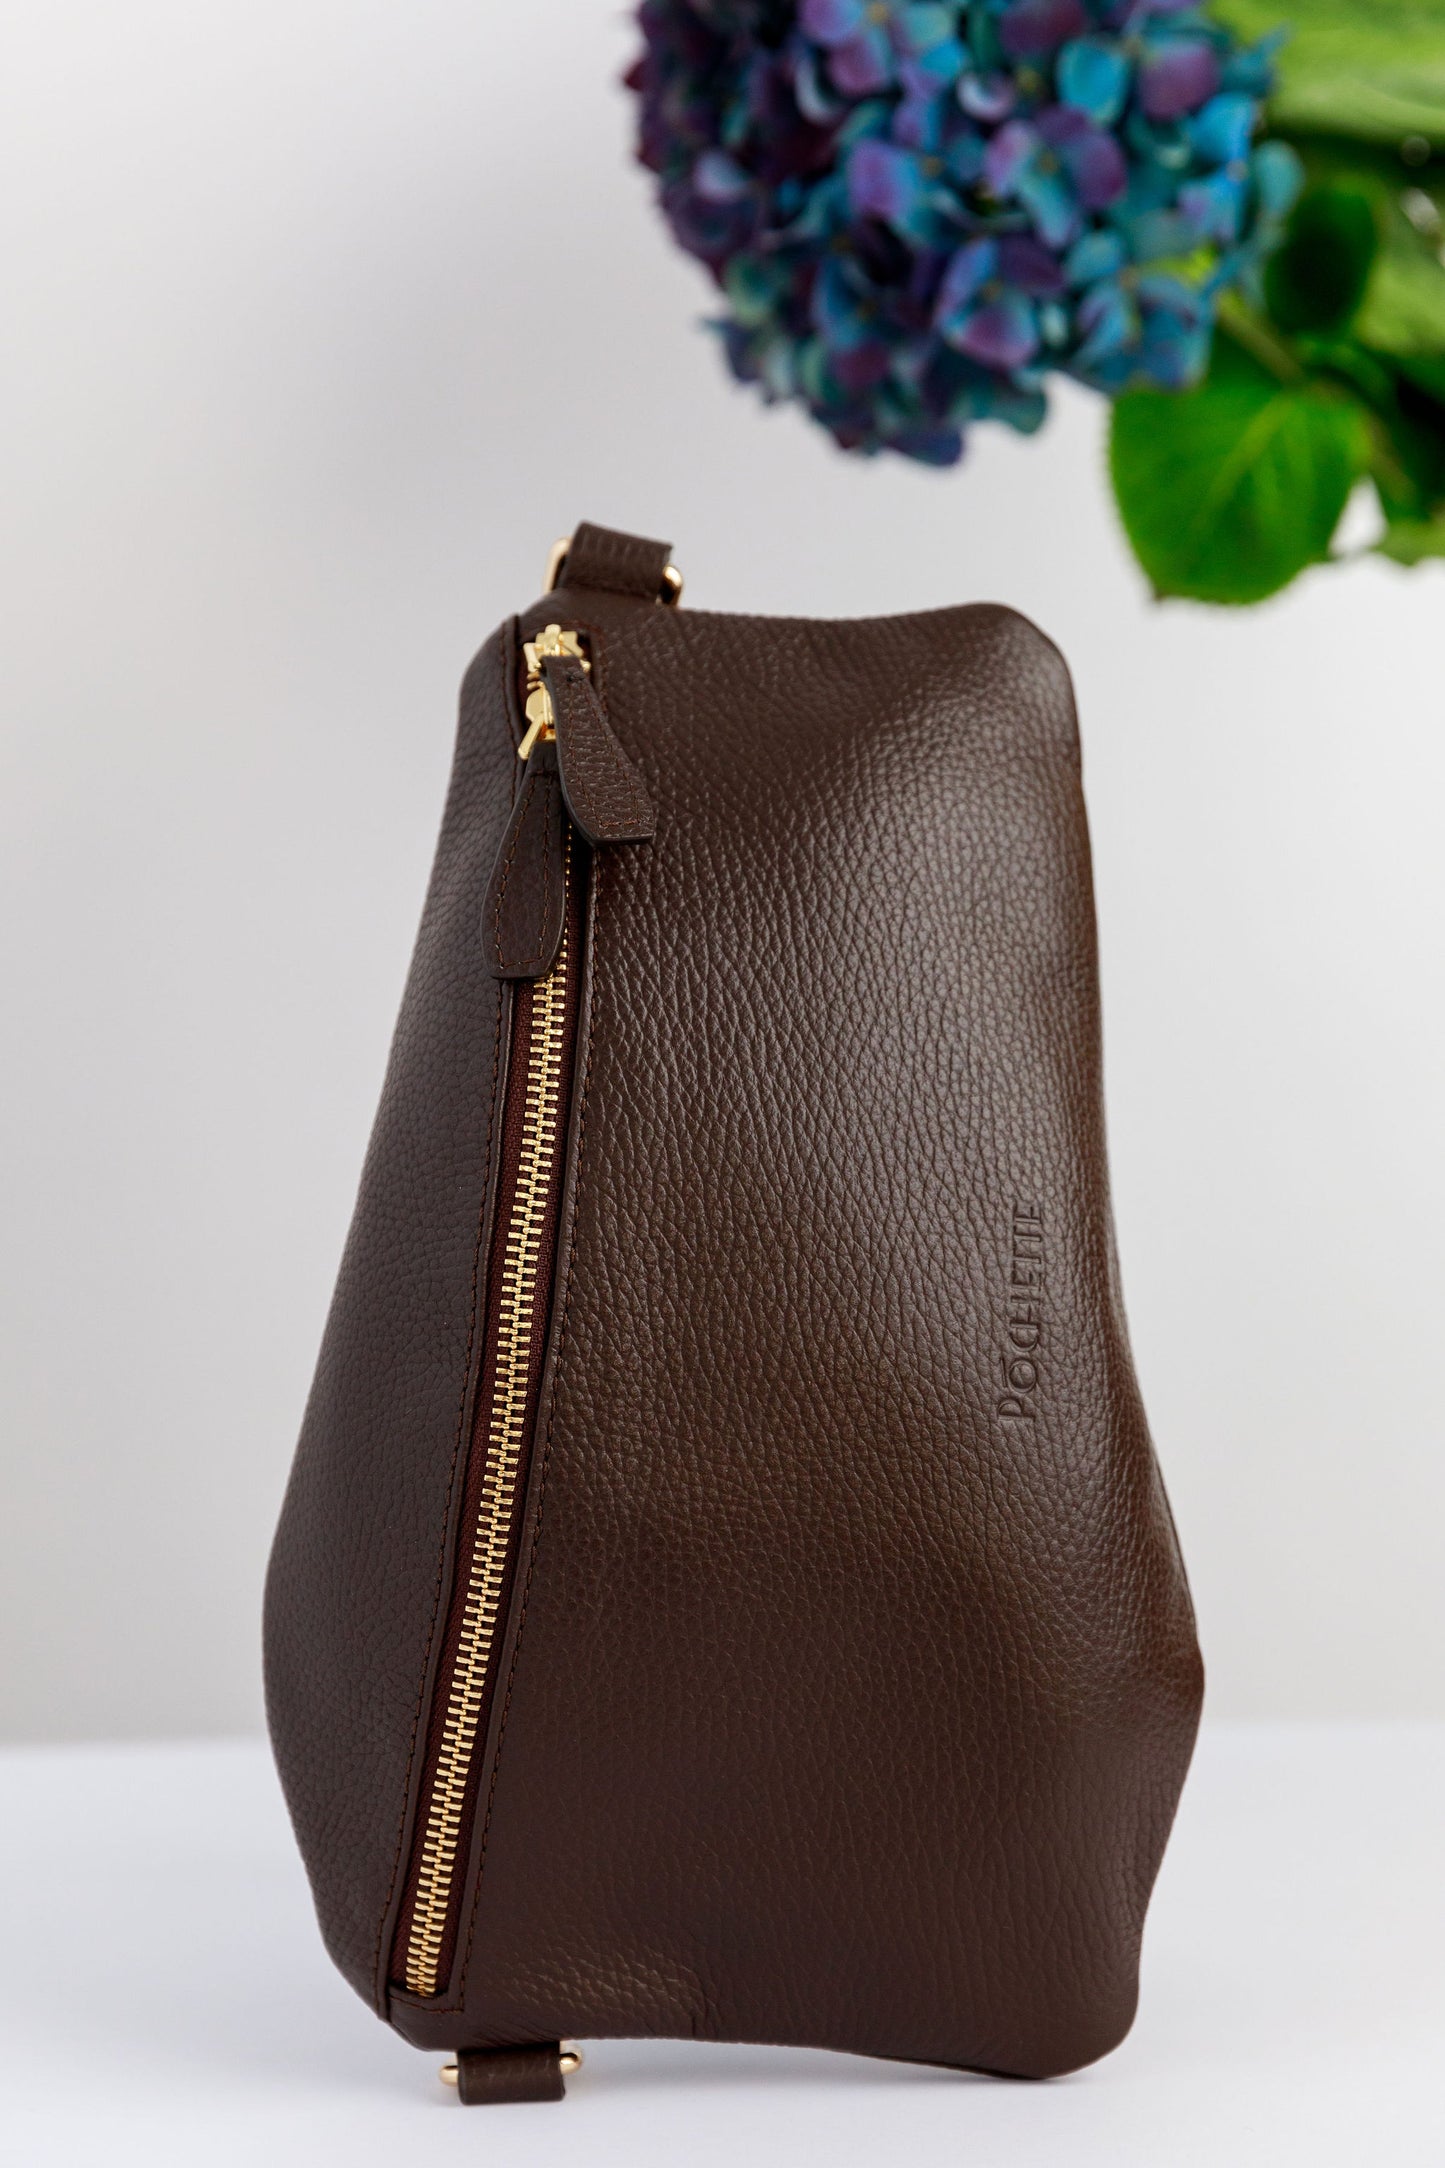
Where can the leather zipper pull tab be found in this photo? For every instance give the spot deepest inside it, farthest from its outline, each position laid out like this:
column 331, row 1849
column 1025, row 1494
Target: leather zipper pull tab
column 605, row 794
column 526, row 905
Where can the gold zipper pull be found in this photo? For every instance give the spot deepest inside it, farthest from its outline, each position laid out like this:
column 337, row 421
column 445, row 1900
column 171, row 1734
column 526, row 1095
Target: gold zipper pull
column 605, row 794
column 575, row 767
column 552, row 640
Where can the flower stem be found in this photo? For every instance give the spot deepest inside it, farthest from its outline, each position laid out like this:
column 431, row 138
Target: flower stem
column 1258, row 339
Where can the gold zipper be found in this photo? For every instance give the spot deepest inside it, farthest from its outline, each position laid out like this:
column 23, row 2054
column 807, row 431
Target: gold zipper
column 541, row 722
column 517, row 1296
column 499, row 1501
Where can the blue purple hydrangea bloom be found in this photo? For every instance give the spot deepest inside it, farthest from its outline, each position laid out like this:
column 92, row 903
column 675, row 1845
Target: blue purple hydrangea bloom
column 917, row 208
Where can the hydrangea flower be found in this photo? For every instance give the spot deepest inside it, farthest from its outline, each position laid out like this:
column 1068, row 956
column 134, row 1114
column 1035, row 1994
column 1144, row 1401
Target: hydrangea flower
column 916, row 209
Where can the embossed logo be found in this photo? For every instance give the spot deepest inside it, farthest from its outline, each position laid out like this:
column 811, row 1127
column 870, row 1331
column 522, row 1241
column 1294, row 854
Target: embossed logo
column 1022, row 1353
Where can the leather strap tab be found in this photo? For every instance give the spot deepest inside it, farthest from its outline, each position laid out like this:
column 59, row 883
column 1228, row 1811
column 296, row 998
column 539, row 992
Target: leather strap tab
column 526, row 904
column 605, row 795
column 489, row 2077
column 624, row 564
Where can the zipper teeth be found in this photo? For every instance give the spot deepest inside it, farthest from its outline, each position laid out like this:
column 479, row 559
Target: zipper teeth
column 496, row 1512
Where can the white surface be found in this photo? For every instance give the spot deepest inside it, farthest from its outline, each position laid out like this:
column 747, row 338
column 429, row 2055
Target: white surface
column 165, row 1999
column 288, row 424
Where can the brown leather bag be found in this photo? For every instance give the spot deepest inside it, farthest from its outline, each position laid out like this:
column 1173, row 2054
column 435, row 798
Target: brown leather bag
column 725, row 1589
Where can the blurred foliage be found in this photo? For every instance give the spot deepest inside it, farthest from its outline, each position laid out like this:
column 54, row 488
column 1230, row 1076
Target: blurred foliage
column 1334, row 371
column 1372, row 70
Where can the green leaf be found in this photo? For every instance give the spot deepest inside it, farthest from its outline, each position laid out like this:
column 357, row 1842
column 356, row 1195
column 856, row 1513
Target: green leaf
column 1408, row 461
column 1404, row 311
column 1371, row 68
column 1411, row 541
column 1429, row 373
column 1227, row 491
column 1316, row 279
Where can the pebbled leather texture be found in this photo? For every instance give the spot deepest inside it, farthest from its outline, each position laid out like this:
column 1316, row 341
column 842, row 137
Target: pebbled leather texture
column 622, row 564
column 361, row 1553
column 851, row 1675
column 606, row 796
column 526, row 902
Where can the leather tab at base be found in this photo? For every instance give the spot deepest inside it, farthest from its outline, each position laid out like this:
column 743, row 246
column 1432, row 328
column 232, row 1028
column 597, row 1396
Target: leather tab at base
column 493, row 2076
column 623, row 564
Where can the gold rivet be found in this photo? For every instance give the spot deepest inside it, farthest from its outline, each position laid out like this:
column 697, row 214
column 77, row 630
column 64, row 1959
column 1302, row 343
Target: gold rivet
column 570, row 2058
column 448, row 2073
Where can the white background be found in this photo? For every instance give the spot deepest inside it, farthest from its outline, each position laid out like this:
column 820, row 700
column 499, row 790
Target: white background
column 322, row 318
